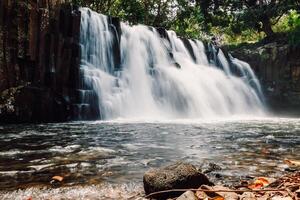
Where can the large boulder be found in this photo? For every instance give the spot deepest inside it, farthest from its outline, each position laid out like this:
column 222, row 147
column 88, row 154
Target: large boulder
column 175, row 176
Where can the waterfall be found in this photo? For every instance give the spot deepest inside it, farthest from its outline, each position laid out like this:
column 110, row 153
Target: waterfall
column 160, row 75
column 248, row 75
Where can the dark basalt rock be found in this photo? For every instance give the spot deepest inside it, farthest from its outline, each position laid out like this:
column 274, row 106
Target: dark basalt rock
column 175, row 176
column 189, row 47
column 116, row 47
column 163, row 33
column 277, row 66
column 32, row 104
column 116, row 22
column 177, row 65
column 45, row 66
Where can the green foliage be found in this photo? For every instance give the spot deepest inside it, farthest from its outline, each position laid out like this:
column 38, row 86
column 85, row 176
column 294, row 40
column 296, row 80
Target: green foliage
column 294, row 22
column 248, row 35
column 287, row 22
column 234, row 21
column 188, row 23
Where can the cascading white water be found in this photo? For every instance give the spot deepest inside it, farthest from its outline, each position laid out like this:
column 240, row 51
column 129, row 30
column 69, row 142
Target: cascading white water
column 159, row 78
column 248, row 75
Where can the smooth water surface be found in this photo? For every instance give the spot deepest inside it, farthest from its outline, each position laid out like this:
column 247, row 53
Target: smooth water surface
column 119, row 152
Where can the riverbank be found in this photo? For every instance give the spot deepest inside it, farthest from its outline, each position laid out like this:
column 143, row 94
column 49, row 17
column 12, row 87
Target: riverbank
column 285, row 187
column 183, row 181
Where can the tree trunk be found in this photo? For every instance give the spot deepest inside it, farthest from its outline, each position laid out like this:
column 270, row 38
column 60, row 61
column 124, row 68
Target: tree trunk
column 13, row 36
column 146, row 11
column 267, row 26
column 5, row 59
column 157, row 21
column 203, row 5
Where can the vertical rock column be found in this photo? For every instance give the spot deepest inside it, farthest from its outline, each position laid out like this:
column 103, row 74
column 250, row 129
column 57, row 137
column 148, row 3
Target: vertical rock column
column 40, row 54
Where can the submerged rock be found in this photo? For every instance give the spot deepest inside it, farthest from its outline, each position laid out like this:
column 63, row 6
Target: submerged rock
column 175, row 176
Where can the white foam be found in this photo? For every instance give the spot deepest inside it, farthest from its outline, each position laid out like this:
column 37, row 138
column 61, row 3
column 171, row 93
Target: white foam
column 150, row 86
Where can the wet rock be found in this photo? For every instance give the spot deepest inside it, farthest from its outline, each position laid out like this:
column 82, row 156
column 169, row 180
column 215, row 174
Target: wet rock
column 275, row 65
column 211, row 167
column 175, row 176
column 163, row 33
column 189, row 47
column 32, row 104
column 226, row 195
column 188, row 195
column 177, row 65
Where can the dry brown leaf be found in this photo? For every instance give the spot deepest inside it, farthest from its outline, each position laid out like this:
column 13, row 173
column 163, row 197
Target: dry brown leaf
column 263, row 180
column 292, row 163
column 265, row 151
column 259, row 183
column 208, row 195
column 218, row 198
column 58, row 178
column 247, row 196
column 256, row 185
column 226, row 195
column 201, row 195
column 281, row 198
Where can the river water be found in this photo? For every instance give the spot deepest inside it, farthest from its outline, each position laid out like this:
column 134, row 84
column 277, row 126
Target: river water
column 113, row 155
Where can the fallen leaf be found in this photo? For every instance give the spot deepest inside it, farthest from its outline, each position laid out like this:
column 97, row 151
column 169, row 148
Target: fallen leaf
column 58, row 178
column 263, row 180
column 265, row 151
column 259, row 183
column 201, row 195
column 218, row 198
column 281, row 198
column 107, row 174
column 226, row 195
column 209, row 194
column 188, row 195
column 255, row 186
column 247, row 196
column 292, row 163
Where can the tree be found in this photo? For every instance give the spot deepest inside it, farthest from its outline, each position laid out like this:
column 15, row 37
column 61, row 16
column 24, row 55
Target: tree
column 256, row 14
column 262, row 14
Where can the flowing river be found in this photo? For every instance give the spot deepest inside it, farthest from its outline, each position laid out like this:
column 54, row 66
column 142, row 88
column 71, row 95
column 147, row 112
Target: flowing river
column 113, row 155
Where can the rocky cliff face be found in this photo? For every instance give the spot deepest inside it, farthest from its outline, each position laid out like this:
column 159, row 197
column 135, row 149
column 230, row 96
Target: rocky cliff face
column 277, row 65
column 39, row 59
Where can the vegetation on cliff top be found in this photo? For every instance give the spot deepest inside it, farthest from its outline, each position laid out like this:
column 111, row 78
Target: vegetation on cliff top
column 234, row 21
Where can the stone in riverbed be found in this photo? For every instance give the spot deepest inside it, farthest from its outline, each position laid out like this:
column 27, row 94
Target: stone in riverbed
column 175, row 176
column 188, row 195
